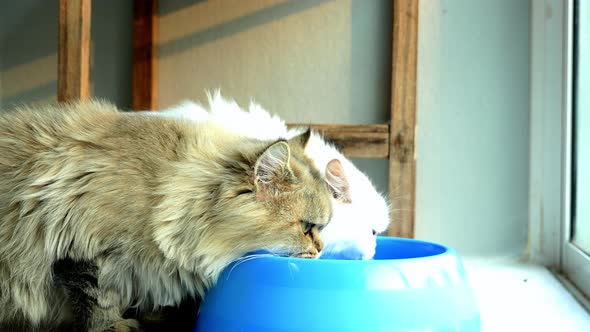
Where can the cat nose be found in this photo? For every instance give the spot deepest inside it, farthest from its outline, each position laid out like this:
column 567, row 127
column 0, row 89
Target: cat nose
column 316, row 239
column 374, row 232
column 314, row 252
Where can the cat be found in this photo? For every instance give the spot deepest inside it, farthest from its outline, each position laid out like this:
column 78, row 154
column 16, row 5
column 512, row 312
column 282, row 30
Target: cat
column 360, row 212
column 102, row 211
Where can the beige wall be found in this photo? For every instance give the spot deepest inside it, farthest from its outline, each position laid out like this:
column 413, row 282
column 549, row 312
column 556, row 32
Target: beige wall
column 473, row 125
column 309, row 61
column 28, row 51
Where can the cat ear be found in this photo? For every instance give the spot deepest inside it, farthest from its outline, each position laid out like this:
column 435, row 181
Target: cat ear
column 302, row 139
column 272, row 173
column 337, row 182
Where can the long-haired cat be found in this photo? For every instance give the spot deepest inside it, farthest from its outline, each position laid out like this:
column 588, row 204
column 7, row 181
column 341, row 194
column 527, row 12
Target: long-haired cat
column 101, row 211
column 360, row 212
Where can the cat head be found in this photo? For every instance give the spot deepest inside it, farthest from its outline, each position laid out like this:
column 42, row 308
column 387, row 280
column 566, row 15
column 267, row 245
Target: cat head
column 357, row 219
column 290, row 197
column 264, row 196
column 360, row 212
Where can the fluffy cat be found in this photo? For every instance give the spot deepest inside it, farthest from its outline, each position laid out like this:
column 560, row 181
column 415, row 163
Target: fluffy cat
column 360, row 212
column 101, row 211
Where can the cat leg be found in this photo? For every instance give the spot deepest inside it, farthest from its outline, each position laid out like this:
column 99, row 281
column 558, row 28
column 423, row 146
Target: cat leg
column 94, row 309
column 107, row 314
column 182, row 317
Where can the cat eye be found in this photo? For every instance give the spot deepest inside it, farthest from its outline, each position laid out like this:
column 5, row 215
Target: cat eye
column 307, row 226
column 243, row 192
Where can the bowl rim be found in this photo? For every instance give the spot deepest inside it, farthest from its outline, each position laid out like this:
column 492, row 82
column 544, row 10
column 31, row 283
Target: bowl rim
column 445, row 251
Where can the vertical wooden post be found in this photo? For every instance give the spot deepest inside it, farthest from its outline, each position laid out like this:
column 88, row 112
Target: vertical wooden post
column 402, row 164
column 145, row 28
column 74, row 50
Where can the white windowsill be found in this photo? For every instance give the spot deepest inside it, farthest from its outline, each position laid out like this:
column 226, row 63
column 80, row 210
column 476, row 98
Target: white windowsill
column 516, row 296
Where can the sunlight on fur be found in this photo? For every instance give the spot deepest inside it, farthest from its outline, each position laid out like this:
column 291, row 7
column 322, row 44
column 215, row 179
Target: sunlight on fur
column 102, row 210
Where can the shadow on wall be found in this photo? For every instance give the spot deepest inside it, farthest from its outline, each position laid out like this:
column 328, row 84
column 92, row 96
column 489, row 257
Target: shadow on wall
column 371, row 30
column 349, row 53
column 28, row 40
column 236, row 25
column 370, row 42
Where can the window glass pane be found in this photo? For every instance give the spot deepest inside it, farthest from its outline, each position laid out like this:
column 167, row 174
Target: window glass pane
column 581, row 225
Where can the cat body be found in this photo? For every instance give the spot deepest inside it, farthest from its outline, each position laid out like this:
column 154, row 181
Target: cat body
column 101, row 211
column 360, row 212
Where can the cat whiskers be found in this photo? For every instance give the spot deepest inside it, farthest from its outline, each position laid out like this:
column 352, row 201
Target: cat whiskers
column 246, row 258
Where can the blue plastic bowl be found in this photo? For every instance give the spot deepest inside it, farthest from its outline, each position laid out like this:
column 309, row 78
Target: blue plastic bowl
column 410, row 285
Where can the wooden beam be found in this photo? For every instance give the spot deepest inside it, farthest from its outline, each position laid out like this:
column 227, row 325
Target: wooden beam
column 73, row 77
column 145, row 28
column 355, row 141
column 402, row 162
